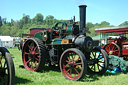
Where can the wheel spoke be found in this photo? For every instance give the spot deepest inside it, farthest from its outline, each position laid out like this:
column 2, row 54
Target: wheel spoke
column 79, row 67
column 77, row 63
column 76, row 71
column 36, row 53
column 31, row 65
column 28, row 61
column 94, row 68
column 94, row 54
column 35, row 48
column 26, row 53
column 100, row 65
column 77, row 59
column 67, row 65
column 73, row 57
column 36, row 64
column 113, row 47
column 38, row 56
column 109, row 47
column 37, row 59
column 5, row 63
column 68, row 70
column 68, row 59
column 117, row 50
column 30, row 48
column 98, row 68
column 91, row 66
column 101, row 62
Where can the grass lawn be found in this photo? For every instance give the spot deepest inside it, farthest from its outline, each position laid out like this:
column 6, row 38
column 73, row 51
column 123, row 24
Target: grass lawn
column 52, row 76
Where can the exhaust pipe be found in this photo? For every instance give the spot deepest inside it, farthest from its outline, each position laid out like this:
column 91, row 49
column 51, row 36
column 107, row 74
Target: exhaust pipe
column 82, row 9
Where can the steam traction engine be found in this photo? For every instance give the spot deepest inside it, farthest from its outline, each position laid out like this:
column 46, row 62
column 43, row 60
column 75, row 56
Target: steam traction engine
column 66, row 46
column 118, row 46
column 7, row 71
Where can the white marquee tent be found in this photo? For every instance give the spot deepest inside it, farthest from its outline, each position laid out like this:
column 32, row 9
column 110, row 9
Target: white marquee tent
column 6, row 41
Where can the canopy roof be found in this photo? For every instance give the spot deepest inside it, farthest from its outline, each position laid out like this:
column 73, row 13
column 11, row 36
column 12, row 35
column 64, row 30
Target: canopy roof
column 117, row 29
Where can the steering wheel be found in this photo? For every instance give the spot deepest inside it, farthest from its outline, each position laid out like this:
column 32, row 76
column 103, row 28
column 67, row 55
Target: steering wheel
column 56, row 27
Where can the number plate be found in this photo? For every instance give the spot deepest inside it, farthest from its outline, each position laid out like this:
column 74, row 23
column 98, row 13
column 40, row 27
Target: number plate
column 65, row 42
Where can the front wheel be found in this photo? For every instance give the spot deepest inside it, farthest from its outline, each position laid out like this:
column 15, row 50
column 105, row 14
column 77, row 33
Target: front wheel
column 73, row 64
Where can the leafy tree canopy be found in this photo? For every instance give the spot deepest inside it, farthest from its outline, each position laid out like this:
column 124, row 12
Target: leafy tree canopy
column 16, row 28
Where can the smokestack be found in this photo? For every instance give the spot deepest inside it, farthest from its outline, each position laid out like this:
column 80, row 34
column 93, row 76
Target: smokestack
column 82, row 9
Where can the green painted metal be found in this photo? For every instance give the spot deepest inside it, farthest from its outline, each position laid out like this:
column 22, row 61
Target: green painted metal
column 38, row 35
column 56, row 41
column 69, row 29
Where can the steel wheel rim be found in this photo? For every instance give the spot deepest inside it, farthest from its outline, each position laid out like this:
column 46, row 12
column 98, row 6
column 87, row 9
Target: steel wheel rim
column 97, row 60
column 31, row 55
column 4, row 71
column 113, row 48
column 71, row 65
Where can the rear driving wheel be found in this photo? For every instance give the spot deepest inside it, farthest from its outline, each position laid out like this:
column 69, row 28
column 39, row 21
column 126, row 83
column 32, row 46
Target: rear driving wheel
column 73, row 64
column 98, row 62
column 34, row 54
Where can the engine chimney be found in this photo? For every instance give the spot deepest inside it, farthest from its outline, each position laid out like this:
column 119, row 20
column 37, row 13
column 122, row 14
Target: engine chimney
column 82, row 9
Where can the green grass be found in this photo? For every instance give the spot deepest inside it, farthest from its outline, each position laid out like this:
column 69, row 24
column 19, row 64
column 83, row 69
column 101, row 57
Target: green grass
column 52, row 76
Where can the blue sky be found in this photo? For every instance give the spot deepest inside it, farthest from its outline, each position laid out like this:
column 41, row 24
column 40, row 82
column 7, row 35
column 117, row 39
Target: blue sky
column 113, row 11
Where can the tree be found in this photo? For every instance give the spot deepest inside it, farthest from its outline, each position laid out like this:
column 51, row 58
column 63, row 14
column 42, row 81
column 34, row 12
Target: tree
column 105, row 23
column 5, row 29
column 38, row 19
column 25, row 20
column 89, row 25
column 0, row 21
column 4, row 20
column 124, row 23
column 96, row 24
column 49, row 20
column 12, row 21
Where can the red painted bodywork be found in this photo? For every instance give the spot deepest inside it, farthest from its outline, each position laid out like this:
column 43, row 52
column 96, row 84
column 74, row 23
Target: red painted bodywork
column 35, row 30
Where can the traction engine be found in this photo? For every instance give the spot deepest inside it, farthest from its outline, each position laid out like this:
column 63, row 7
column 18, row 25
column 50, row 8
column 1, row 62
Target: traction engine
column 117, row 46
column 66, row 46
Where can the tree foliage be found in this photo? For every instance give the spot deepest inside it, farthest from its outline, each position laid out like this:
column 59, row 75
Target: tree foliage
column 38, row 19
column 124, row 23
column 0, row 21
column 16, row 28
column 90, row 25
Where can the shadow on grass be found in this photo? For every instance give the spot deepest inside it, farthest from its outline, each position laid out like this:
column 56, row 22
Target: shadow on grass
column 93, row 77
column 110, row 74
column 88, row 77
column 46, row 68
column 51, row 68
column 21, row 80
